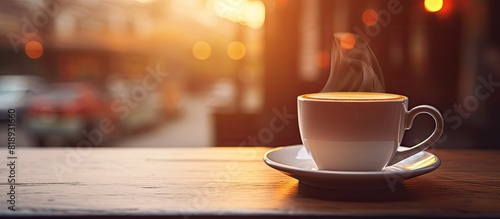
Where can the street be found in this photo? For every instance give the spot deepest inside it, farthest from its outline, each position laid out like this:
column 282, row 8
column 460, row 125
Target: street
column 192, row 128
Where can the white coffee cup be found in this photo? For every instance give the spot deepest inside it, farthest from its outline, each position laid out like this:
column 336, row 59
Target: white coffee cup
column 359, row 131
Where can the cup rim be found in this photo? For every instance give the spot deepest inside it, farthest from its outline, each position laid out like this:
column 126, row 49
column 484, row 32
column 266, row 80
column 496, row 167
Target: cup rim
column 399, row 98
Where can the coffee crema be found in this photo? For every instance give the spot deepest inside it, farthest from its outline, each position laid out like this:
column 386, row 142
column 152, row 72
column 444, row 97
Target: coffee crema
column 352, row 96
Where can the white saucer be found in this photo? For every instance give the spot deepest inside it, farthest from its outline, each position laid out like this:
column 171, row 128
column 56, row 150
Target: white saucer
column 294, row 161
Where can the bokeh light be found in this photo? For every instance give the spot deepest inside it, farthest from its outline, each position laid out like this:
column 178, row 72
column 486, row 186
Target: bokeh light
column 33, row 49
column 236, row 50
column 369, row 17
column 202, row 50
column 255, row 14
column 433, row 5
column 347, row 41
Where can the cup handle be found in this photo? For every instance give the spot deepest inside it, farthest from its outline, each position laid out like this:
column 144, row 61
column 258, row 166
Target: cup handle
column 438, row 130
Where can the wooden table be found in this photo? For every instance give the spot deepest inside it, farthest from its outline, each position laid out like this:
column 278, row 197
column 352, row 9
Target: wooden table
column 207, row 182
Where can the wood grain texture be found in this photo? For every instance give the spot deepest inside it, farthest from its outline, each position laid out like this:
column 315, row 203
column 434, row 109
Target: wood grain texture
column 233, row 181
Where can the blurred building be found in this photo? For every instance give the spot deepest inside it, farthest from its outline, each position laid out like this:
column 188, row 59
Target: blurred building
column 250, row 59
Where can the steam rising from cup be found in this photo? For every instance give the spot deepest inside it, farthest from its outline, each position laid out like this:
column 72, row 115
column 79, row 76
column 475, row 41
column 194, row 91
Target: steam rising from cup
column 354, row 67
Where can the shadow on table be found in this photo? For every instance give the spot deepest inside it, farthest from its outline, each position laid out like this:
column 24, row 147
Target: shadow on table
column 400, row 193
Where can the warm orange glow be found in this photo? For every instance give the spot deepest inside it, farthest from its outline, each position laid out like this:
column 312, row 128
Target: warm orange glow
column 281, row 3
column 33, row 49
column 255, row 14
column 236, row 50
column 247, row 12
column 202, row 50
column 347, row 41
column 433, row 5
column 322, row 59
column 369, row 17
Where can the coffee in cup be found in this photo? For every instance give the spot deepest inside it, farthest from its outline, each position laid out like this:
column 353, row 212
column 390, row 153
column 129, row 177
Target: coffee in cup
column 359, row 131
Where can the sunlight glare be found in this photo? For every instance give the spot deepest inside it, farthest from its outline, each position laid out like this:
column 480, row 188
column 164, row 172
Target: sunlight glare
column 255, row 14
column 246, row 12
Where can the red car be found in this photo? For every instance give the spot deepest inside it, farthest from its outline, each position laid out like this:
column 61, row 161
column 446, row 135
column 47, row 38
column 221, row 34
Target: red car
column 74, row 112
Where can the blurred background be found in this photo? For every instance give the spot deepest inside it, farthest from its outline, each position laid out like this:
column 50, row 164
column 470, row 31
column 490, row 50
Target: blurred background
column 196, row 73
